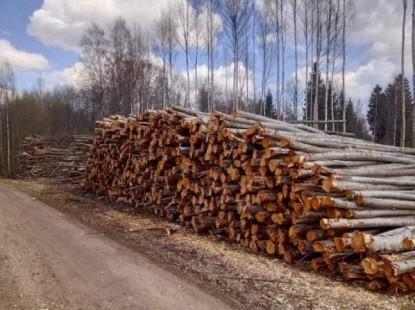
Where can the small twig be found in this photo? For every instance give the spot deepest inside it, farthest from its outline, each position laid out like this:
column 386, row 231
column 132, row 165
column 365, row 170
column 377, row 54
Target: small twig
column 252, row 279
column 304, row 257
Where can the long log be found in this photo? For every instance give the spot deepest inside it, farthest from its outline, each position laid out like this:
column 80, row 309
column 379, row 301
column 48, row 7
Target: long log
column 399, row 221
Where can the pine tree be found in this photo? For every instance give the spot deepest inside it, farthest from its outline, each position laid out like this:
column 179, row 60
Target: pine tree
column 315, row 76
column 269, row 106
column 356, row 123
column 350, row 117
column 373, row 116
column 203, row 98
column 390, row 116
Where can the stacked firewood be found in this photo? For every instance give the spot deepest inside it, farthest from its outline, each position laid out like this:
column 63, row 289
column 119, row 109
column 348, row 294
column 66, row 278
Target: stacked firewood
column 61, row 159
column 338, row 203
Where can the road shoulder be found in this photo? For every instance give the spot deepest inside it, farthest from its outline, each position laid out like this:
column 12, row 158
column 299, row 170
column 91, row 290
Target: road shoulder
column 246, row 280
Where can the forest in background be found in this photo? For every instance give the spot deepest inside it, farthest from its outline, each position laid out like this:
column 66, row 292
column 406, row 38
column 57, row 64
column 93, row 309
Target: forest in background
column 126, row 70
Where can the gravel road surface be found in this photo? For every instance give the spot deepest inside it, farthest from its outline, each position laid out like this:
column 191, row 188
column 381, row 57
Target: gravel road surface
column 50, row 261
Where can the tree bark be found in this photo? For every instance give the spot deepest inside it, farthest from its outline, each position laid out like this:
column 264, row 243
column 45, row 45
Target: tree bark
column 344, row 65
column 403, row 107
column 399, row 221
column 296, row 61
column 328, row 40
column 318, row 54
column 306, row 4
column 413, row 70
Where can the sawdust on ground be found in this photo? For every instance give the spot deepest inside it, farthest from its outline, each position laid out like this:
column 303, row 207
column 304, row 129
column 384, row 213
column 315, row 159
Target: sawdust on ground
column 247, row 280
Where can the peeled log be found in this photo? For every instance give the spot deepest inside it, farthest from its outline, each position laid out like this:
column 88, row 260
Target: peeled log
column 338, row 203
column 385, row 203
column 402, row 181
column 382, row 243
column 402, row 195
column 365, row 156
column 361, row 214
column 399, row 266
column 399, row 221
column 335, row 185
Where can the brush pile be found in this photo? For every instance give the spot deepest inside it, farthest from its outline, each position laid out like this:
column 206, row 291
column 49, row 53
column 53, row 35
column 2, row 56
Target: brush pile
column 338, row 203
column 63, row 160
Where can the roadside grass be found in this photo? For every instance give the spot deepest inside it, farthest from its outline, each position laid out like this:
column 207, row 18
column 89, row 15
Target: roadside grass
column 44, row 191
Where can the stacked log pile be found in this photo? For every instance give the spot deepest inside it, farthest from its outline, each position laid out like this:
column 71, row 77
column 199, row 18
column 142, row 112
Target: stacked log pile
column 61, row 159
column 338, row 203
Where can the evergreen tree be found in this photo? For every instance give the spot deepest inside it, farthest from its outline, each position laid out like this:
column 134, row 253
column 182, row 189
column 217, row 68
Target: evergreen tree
column 203, row 98
column 315, row 76
column 374, row 116
column 389, row 113
column 269, row 106
column 355, row 122
column 350, row 117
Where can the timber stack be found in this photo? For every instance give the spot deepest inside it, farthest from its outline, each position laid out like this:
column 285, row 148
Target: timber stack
column 62, row 159
column 292, row 191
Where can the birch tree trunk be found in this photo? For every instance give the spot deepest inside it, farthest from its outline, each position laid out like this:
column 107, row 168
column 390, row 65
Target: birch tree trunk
column 246, row 59
column 328, row 34
column 313, row 23
column 413, row 71
column 344, row 65
column 306, row 58
column 277, row 25
column 403, row 116
column 1, row 133
column 336, row 32
column 395, row 112
column 196, row 21
column 208, row 36
column 8, row 137
column 283, row 38
column 212, row 34
column 318, row 53
column 253, row 47
column 296, row 60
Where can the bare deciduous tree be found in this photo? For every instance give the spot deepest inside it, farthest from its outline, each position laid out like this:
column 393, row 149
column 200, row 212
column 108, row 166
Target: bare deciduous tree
column 211, row 32
column 329, row 12
column 278, row 50
column 403, row 110
column 196, row 26
column 413, row 71
column 283, row 40
column 7, row 87
column 344, row 64
column 306, row 29
column 266, row 48
column 166, row 48
column 94, row 52
column 295, row 9
column 184, row 14
column 334, row 56
column 319, row 27
column 235, row 13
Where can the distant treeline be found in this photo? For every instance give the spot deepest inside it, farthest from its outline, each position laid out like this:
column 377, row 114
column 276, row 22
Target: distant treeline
column 55, row 113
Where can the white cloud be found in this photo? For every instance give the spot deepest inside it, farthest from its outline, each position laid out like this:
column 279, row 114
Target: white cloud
column 21, row 60
column 223, row 76
column 374, row 49
column 62, row 22
column 68, row 76
column 380, row 30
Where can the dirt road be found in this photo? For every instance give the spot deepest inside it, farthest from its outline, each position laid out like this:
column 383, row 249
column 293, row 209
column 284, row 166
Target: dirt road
column 49, row 261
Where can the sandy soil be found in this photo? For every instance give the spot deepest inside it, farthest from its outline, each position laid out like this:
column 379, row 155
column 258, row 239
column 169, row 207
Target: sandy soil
column 243, row 280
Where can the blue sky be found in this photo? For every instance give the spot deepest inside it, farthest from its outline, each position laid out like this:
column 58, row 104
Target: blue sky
column 41, row 37
column 14, row 18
